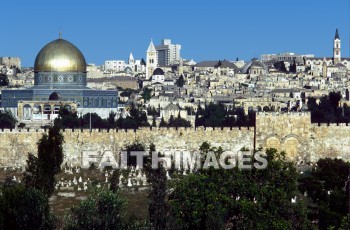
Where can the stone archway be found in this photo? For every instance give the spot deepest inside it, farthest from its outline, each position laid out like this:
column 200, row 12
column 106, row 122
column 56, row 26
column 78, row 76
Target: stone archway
column 47, row 108
column 291, row 147
column 273, row 142
column 27, row 112
column 37, row 109
column 56, row 108
column 54, row 96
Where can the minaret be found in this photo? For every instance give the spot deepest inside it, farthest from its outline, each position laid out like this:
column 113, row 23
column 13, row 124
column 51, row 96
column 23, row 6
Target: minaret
column 336, row 48
column 151, row 60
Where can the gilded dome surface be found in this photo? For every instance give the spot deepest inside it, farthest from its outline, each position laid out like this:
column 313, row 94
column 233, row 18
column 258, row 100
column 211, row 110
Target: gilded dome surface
column 60, row 56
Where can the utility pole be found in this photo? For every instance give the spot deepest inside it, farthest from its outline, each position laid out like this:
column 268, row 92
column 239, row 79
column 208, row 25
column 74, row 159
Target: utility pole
column 90, row 122
column 255, row 133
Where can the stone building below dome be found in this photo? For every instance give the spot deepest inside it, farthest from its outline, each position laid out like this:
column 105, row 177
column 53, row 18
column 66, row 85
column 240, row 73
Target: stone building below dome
column 60, row 73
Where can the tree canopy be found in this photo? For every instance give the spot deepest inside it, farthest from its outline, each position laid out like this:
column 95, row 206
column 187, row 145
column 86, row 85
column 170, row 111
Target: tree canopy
column 7, row 120
column 24, row 208
column 216, row 115
column 41, row 170
column 238, row 199
column 101, row 210
column 328, row 110
column 4, row 81
column 325, row 186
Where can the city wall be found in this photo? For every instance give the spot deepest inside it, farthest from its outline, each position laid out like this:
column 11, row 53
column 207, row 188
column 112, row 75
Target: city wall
column 300, row 139
column 94, row 146
column 293, row 133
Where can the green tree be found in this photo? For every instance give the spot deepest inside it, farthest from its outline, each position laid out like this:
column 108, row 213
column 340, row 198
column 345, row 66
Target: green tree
column 114, row 187
column 101, row 210
column 146, row 94
column 158, row 206
column 178, row 122
column 180, row 82
column 324, row 185
column 7, row 120
column 111, row 122
column 136, row 119
column 40, row 172
column 24, row 208
column 68, row 119
column 4, row 81
column 334, row 98
column 136, row 147
column 96, row 121
column 163, row 123
column 328, row 109
column 171, row 120
column 127, row 123
column 127, row 92
column 154, row 124
column 217, row 115
column 280, row 66
column 293, row 67
column 238, row 199
column 152, row 111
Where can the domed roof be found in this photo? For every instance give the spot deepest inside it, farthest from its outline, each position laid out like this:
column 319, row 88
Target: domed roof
column 158, row 71
column 254, row 63
column 60, row 56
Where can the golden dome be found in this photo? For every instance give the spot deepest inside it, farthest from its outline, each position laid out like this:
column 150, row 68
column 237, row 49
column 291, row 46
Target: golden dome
column 60, row 56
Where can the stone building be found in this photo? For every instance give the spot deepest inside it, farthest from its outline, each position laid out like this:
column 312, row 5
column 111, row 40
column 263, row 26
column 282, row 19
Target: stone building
column 60, row 75
column 318, row 65
column 219, row 68
column 10, row 62
column 255, row 68
column 173, row 110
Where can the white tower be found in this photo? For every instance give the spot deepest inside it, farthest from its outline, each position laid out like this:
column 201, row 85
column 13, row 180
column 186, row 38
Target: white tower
column 151, row 60
column 336, row 48
column 131, row 60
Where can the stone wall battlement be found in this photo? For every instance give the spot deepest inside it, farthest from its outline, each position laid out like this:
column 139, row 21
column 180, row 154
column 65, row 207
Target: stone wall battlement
column 293, row 133
column 142, row 129
column 16, row 144
column 284, row 114
column 330, row 124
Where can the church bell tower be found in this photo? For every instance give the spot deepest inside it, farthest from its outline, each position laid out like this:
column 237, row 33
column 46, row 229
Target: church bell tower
column 336, row 48
column 151, row 60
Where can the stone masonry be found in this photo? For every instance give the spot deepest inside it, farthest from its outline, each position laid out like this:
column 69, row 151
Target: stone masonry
column 293, row 133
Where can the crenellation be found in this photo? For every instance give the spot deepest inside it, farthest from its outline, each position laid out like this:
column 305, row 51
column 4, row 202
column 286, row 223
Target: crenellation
column 333, row 125
column 293, row 133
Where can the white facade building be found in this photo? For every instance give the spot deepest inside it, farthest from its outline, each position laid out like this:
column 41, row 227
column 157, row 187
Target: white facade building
column 11, row 62
column 327, row 66
column 115, row 65
column 121, row 65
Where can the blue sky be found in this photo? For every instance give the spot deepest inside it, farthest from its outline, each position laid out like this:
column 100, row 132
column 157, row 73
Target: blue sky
column 207, row 30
